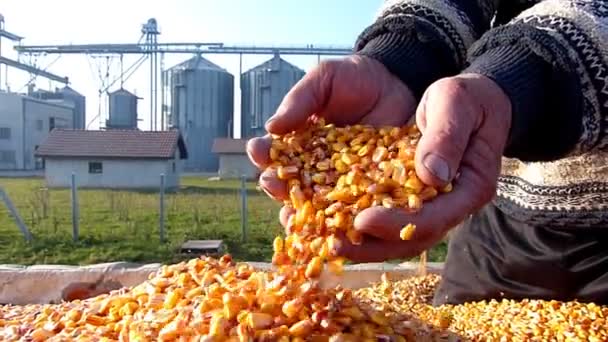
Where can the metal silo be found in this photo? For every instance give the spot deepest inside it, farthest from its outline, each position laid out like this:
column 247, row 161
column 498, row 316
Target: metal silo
column 262, row 90
column 123, row 110
column 201, row 107
column 79, row 101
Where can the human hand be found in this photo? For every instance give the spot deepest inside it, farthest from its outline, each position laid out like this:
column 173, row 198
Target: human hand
column 351, row 90
column 464, row 122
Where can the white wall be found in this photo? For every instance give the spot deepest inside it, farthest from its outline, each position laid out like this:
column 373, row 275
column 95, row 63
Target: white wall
column 36, row 112
column 26, row 133
column 11, row 117
column 116, row 173
column 236, row 165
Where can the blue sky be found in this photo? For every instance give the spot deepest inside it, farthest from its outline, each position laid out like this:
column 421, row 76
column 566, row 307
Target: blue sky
column 258, row 22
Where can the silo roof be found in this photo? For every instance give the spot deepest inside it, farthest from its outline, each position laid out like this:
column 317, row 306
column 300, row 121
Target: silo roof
column 123, row 91
column 283, row 64
column 198, row 63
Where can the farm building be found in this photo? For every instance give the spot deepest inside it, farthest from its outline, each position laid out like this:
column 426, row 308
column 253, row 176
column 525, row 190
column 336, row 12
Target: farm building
column 25, row 122
column 113, row 158
column 234, row 161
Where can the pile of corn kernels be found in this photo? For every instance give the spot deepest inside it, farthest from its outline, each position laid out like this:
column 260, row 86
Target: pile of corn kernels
column 332, row 173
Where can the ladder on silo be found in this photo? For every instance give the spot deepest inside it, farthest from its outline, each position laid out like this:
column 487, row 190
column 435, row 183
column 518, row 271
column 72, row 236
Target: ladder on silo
column 15, row 214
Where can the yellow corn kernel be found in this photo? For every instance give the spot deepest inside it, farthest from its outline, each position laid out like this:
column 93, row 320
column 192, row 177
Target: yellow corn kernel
column 292, row 307
column 338, row 147
column 349, row 159
column 274, row 154
column 314, row 267
column 342, row 195
column 380, row 154
column 95, row 320
column 218, row 325
column 278, row 244
column 447, row 188
column 319, row 178
column 364, row 150
column 407, row 232
column 323, row 165
column 173, row 297
column 304, row 214
column 428, row 193
column 301, row 328
column 414, row 202
column 414, row 184
column 259, row 320
column 353, row 312
column 297, row 197
column 336, row 266
column 341, row 166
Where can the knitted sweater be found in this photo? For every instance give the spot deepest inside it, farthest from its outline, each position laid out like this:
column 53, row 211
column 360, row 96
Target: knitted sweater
column 551, row 59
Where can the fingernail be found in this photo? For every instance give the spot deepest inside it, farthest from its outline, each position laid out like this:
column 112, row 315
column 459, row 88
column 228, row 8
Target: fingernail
column 437, row 166
column 269, row 175
column 270, row 120
column 268, row 192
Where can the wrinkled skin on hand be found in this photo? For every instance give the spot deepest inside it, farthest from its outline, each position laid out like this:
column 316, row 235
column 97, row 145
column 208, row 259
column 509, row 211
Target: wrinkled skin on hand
column 464, row 119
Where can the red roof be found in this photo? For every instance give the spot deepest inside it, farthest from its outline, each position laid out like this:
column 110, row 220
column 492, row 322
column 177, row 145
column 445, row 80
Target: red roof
column 68, row 143
column 229, row 146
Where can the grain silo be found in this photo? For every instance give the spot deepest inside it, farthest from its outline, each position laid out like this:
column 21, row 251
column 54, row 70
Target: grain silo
column 201, row 107
column 123, row 110
column 79, row 102
column 262, row 90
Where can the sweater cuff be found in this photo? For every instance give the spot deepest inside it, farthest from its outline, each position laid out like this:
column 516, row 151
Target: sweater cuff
column 410, row 51
column 538, row 132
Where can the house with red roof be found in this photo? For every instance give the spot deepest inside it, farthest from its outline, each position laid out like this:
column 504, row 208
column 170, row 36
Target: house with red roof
column 234, row 162
column 112, row 158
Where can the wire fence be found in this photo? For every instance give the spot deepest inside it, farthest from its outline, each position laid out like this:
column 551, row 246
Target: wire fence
column 51, row 225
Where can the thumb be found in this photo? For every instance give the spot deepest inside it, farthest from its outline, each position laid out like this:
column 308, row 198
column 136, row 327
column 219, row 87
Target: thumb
column 447, row 118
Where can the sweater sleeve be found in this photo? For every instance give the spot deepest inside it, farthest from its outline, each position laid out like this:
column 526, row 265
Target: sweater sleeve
column 421, row 41
column 552, row 62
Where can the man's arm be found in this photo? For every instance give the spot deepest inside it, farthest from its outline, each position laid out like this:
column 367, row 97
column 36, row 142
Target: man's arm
column 552, row 61
column 421, row 41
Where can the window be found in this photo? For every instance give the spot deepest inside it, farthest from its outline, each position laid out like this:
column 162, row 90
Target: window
column 39, row 125
column 173, row 167
column 5, row 133
column 51, row 124
column 7, row 156
column 95, row 167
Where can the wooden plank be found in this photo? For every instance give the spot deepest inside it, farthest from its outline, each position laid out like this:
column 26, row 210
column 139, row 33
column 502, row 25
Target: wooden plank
column 202, row 246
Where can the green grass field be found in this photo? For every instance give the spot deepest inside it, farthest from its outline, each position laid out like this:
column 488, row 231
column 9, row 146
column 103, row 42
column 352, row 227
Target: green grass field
column 123, row 225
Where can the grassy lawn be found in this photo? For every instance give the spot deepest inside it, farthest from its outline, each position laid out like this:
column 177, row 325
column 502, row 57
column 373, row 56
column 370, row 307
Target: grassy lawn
column 123, row 225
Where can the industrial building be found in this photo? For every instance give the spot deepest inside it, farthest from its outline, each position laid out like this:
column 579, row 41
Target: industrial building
column 25, row 122
column 129, row 159
column 66, row 95
column 234, row 162
column 201, row 107
column 262, row 90
column 196, row 96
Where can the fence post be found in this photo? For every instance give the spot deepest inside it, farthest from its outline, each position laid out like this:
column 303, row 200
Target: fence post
column 244, row 207
column 13, row 211
column 161, row 223
column 75, row 213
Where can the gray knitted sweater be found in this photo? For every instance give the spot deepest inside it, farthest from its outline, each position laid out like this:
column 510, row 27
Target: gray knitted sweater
column 551, row 58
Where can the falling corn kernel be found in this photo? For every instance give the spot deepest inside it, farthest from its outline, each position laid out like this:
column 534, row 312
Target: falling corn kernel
column 407, row 232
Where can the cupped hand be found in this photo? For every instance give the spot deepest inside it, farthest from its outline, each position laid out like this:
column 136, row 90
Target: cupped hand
column 350, row 90
column 464, row 122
